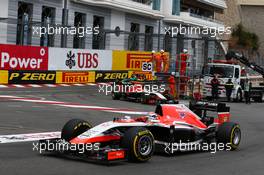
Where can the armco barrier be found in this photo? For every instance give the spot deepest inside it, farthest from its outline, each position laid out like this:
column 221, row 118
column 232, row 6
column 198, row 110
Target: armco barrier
column 31, row 77
column 75, row 77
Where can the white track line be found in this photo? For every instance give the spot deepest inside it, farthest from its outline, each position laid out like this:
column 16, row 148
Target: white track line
column 34, row 85
column 18, row 86
column 79, row 84
column 28, row 137
column 3, row 86
column 65, row 85
column 50, row 85
column 91, row 84
column 69, row 105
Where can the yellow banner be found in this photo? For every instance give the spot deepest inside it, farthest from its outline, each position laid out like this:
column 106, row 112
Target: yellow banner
column 3, row 77
column 133, row 61
column 130, row 60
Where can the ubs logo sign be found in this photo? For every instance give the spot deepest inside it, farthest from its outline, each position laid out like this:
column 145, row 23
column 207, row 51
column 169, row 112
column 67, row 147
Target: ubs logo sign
column 70, row 62
column 82, row 60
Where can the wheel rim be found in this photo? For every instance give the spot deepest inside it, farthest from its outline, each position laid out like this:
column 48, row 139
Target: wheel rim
column 236, row 136
column 145, row 145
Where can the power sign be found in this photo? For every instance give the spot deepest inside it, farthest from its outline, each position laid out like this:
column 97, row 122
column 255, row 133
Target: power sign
column 14, row 57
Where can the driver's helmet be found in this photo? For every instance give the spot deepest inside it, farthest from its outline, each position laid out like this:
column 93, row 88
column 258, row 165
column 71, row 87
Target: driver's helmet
column 152, row 116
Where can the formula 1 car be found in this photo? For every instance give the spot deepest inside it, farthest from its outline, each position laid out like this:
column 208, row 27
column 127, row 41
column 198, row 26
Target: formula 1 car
column 136, row 139
column 146, row 92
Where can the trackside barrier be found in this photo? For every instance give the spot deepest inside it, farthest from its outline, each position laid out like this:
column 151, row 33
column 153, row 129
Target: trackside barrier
column 3, row 77
column 31, row 77
column 66, row 77
column 75, row 77
column 43, row 65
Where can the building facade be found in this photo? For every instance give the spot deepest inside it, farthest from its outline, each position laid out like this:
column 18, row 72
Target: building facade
column 123, row 25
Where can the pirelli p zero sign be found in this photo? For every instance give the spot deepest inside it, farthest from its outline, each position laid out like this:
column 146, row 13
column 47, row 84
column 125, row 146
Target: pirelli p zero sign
column 32, row 77
column 109, row 76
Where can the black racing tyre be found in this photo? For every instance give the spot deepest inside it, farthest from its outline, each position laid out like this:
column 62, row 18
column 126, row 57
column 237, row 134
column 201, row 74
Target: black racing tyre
column 116, row 96
column 229, row 133
column 139, row 143
column 73, row 128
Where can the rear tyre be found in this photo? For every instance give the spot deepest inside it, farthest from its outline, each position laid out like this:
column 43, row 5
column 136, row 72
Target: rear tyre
column 116, row 96
column 139, row 143
column 229, row 133
column 73, row 128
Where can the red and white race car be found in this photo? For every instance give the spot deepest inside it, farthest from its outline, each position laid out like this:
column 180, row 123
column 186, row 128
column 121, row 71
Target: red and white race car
column 136, row 139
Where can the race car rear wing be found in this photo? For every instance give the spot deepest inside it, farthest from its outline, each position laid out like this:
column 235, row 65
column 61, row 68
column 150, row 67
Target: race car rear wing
column 200, row 108
column 208, row 106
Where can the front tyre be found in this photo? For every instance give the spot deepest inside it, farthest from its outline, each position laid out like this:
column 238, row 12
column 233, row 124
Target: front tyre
column 73, row 128
column 229, row 133
column 139, row 143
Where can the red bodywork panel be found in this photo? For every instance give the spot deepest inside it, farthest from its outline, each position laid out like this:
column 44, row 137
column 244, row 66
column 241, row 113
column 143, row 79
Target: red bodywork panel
column 172, row 114
column 98, row 139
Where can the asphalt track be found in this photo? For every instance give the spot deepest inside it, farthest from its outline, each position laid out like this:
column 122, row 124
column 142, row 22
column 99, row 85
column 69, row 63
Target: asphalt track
column 20, row 117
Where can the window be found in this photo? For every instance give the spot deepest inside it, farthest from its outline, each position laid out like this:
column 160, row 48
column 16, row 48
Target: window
column 176, row 6
column 99, row 39
column 133, row 38
column 167, row 42
column 24, row 28
column 221, row 71
column 156, row 5
column 47, row 18
column 237, row 73
column 147, row 2
column 79, row 24
column 148, row 38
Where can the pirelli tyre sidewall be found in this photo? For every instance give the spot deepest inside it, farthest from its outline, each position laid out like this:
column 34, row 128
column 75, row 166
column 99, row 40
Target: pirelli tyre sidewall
column 73, row 128
column 229, row 133
column 139, row 143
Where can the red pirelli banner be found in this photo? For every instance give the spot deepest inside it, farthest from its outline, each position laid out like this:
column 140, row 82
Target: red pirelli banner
column 13, row 57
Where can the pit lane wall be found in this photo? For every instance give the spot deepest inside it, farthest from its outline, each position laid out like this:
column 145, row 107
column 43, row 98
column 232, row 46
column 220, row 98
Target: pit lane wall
column 43, row 65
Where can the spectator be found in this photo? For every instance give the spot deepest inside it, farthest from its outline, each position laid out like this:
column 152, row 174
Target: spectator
column 229, row 88
column 215, row 84
column 247, row 89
